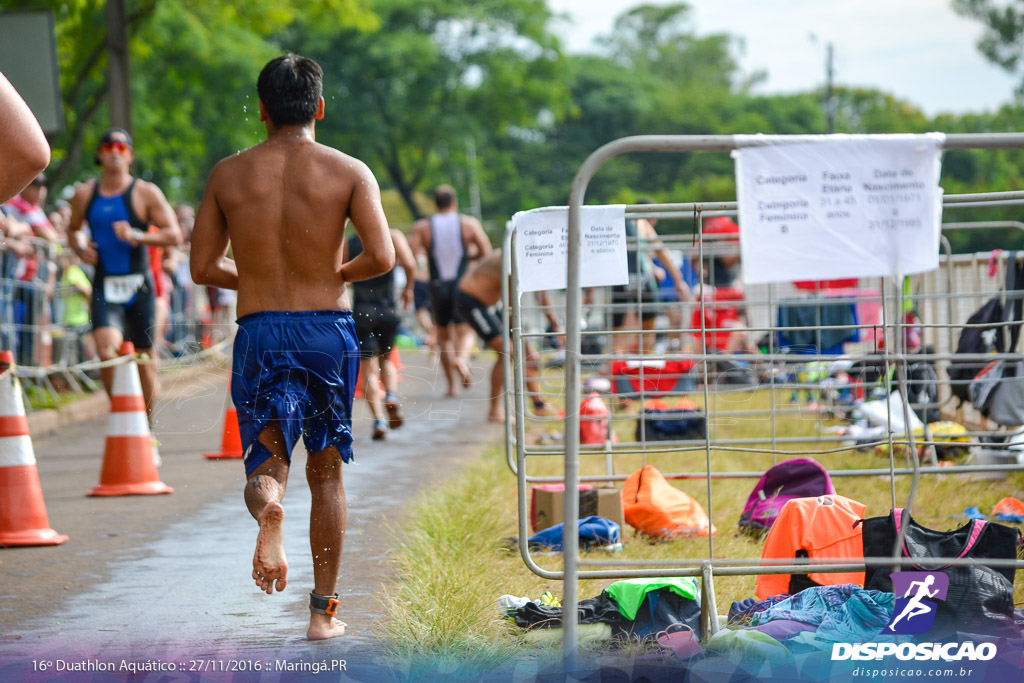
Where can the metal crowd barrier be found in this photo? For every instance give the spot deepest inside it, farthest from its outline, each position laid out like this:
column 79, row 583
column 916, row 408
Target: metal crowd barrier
column 939, row 295
column 33, row 323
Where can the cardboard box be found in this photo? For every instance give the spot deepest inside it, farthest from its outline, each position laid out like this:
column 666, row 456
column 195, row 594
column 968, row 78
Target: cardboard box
column 548, row 501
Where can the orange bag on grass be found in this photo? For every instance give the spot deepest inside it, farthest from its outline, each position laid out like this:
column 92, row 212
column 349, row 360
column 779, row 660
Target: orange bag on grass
column 657, row 509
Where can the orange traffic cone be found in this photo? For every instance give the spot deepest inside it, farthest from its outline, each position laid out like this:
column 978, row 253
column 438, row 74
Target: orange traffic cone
column 23, row 519
column 359, row 384
column 128, row 462
column 231, row 439
column 396, row 360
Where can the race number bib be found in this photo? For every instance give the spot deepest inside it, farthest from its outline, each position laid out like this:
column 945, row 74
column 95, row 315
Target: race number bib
column 120, row 289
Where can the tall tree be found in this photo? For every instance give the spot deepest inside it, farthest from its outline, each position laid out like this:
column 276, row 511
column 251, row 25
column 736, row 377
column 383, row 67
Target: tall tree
column 1003, row 39
column 660, row 40
column 193, row 63
column 435, row 73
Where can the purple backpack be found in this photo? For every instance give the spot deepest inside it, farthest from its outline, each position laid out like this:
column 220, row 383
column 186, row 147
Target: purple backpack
column 796, row 478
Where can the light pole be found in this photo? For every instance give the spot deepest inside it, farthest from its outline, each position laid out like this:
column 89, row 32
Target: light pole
column 830, row 98
column 474, row 179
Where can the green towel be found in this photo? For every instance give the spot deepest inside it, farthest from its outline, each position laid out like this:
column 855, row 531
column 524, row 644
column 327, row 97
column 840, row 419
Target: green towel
column 630, row 594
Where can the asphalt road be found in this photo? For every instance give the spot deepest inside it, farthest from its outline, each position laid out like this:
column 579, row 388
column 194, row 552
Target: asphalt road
column 154, row 580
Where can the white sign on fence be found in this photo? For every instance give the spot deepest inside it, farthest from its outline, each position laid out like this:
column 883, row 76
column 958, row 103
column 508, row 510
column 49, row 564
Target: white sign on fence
column 542, row 247
column 844, row 206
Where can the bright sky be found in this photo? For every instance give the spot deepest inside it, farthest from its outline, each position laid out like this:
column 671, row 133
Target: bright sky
column 918, row 50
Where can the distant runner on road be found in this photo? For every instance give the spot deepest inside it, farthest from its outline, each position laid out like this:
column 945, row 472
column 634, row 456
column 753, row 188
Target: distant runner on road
column 475, row 301
column 119, row 210
column 377, row 318
column 283, row 205
column 445, row 240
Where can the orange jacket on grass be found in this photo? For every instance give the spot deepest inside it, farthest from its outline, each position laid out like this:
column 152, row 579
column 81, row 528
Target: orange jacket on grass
column 654, row 507
column 823, row 527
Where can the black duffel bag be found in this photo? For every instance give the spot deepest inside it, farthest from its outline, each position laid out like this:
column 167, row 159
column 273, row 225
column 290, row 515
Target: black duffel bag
column 659, row 422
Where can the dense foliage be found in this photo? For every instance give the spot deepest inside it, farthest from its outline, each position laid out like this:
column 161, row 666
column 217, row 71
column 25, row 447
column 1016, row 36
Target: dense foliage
column 474, row 93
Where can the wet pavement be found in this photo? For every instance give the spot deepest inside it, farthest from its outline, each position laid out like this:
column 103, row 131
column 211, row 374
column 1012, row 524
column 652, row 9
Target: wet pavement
column 162, row 580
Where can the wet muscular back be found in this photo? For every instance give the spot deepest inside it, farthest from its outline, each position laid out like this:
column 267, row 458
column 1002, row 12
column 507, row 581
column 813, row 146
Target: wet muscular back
column 484, row 279
column 286, row 206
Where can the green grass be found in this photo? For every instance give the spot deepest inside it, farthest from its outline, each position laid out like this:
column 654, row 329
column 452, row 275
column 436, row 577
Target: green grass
column 452, row 566
column 40, row 399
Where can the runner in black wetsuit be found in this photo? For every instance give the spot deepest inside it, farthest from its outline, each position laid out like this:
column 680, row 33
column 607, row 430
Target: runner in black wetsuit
column 478, row 294
column 445, row 239
column 118, row 209
column 377, row 318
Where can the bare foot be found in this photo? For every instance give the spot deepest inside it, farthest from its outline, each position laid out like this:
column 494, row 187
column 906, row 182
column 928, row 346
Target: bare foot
column 467, row 377
column 324, row 626
column 269, row 566
column 496, row 417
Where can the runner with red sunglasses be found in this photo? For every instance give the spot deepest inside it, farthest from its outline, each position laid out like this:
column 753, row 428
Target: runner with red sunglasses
column 119, row 209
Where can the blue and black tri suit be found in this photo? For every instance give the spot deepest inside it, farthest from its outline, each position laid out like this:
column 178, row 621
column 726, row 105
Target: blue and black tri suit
column 123, row 294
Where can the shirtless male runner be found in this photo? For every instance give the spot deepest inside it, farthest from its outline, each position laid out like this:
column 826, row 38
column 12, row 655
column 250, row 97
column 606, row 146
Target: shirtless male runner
column 283, row 205
column 478, row 293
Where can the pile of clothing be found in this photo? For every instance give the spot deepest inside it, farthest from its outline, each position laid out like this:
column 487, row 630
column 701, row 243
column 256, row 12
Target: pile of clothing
column 635, row 609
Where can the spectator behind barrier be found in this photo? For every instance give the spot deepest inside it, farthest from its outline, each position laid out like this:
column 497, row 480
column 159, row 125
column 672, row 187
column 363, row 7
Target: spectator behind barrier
column 32, row 275
column 721, row 272
column 28, row 208
column 76, row 290
column 666, row 292
column 34, row 301
column 59, row 217
column 643, row 286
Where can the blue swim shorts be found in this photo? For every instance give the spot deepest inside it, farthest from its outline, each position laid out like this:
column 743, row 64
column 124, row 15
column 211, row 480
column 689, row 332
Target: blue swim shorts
column 299, row 368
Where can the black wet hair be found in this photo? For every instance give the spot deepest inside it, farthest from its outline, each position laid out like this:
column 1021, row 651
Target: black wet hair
column 290, row 88
column 444, row 196
column 108, row 136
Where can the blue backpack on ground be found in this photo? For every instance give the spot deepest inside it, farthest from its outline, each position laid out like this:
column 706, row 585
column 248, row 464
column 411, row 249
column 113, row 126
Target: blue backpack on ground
column 594, row 531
